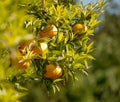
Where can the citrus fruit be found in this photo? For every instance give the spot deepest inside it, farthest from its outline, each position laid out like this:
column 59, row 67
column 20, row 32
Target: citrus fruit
column 19, row 63
column 77, row 28
column 48, row 31
column 39, row 50
column 34, row 47
column 53, row 71
column 25, row 44
column 23, row 64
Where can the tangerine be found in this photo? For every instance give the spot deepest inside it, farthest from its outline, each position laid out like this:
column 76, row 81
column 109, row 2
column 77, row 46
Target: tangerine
column 48, row 32
column 53, row 72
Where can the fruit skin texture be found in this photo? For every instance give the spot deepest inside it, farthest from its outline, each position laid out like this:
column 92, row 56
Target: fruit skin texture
column 48, row 32
column 77, row 28
column 53, row 72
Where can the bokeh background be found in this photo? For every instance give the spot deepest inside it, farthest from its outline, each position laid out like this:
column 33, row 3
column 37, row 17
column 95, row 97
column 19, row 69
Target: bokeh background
column 103, row 81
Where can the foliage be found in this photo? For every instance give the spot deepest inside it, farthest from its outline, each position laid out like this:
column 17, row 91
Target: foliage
column 103, row 82
column 24, row 20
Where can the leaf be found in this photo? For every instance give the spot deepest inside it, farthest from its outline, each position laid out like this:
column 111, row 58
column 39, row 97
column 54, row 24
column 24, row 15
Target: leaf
column 60, row 37
column 96, row 23
column 86, row 63
column 54, row 89
column 90, row 57
column 20, row 87
column 78, row 65
column 57, row 80
column 58, row 89
column 85, row 72
column 89, row 47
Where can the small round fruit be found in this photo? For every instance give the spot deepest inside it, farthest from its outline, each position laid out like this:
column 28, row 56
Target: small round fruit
column 48, row 32
column 53, row 72
column 25, row 44
column 17, row 62
column 22, row 46
column 34, row 48
column 23, row 64
column 77, row 28
column 41, row 50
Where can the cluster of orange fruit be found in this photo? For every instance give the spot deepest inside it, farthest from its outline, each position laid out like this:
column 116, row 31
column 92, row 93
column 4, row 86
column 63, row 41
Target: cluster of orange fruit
column 52, row 71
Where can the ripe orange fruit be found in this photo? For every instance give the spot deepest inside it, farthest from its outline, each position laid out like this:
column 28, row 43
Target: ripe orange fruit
column 53, row 72
column 77, row 28
column 23, row 64
column 37, row 50
column 34, row 48
column 25, row 44
column 48, row 32
column 18, row 63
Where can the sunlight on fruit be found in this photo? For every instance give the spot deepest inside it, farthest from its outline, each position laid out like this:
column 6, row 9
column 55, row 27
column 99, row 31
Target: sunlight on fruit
column 48, row 32
column 77, row 28
column 43, row 46
column 53, row 72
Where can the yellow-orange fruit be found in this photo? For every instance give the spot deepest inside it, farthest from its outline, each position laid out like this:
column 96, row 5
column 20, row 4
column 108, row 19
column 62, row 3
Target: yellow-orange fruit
column 77, row 28
column 48, row 32
column 53, row 72
column 25, row 44
column 23, row 64
column 18, row 63
column 41, row 50
column 35, row 49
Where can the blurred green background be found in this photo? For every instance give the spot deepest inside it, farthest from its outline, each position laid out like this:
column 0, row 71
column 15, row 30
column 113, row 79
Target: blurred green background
column 103, row 81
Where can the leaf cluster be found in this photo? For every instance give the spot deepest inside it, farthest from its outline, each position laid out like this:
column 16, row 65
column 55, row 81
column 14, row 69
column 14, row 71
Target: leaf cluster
column 68, row 50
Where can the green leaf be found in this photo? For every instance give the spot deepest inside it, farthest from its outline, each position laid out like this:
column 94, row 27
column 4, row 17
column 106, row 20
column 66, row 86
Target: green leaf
column 78, row 65
column 90, row 47
column 86, row 63
column 60, row 37
column 85, row 72
column 54, row 89
column 57, row 80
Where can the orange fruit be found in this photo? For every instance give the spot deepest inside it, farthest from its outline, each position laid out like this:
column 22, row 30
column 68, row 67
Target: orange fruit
column 23, row 64
column 37, row 50
column 77, row 28
column 53, row 72
column 48, row 32
column 34, row 48
column 25, row 44
column 18, row 63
